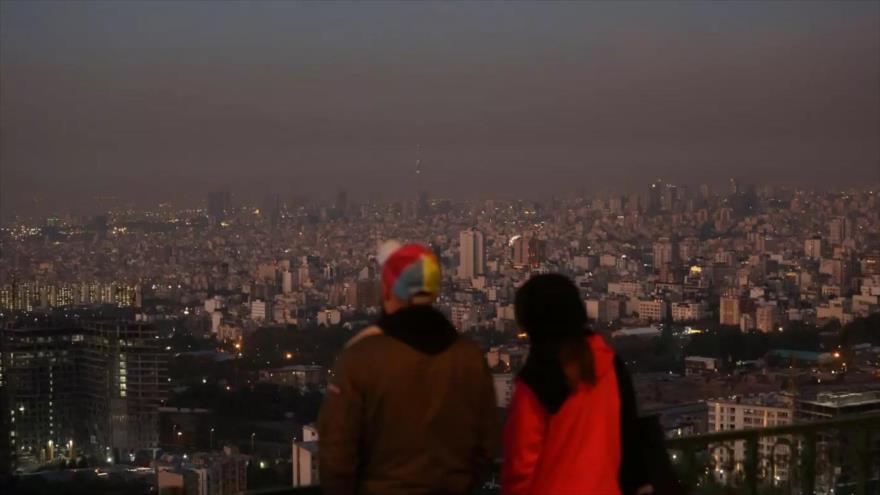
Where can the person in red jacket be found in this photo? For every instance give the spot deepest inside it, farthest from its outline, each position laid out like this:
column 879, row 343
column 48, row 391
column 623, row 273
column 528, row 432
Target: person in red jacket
column 572, row 426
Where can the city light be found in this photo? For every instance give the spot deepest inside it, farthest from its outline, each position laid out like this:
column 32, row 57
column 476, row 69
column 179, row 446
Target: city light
column 703, row 198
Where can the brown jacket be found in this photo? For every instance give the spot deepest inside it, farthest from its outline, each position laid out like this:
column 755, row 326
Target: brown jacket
column 410, row 409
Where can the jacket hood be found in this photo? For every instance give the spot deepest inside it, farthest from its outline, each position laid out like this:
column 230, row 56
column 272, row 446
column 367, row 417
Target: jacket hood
column 603, row 355
column 421, row 327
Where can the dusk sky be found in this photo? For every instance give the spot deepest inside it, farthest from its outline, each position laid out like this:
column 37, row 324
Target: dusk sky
column 164, row 101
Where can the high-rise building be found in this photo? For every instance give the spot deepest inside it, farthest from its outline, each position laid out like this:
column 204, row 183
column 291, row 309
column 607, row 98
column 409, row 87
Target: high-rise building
column 286, row 282
column 537, row 251
column 219, row 205
column 837, row 230
column 124, row 373
column 423, row 205
column 520, row 248
column 39, row 374
column 705, row 191
column 472, row 254
column 528, row 251
column 260, row 310
column 6, row 297
column 7, row 441
column 813, row 248
column 840, row 270
column 733, row 186
column 668, row 197
column 272, row 211
column 368, row 293
column 655, row 194
column 665, row 252
column 730, row 310
column 97, row 384
column 767, row 318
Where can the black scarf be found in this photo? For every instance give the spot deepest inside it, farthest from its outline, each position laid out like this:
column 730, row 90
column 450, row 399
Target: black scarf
column 421, row 327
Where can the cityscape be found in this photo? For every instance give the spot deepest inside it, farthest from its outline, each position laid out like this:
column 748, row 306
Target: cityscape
column 748, row 305
column 182, row 340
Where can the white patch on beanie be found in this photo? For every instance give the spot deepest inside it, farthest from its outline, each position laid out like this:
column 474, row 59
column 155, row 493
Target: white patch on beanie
column 386, row 249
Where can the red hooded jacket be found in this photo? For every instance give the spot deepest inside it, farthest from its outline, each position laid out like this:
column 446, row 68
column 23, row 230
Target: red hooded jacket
column 576, row 451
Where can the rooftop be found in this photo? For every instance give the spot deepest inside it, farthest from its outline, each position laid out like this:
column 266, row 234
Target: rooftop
column 764, row 400
column 838, row 399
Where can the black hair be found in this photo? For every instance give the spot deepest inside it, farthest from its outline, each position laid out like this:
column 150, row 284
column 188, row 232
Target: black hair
column 549, row 308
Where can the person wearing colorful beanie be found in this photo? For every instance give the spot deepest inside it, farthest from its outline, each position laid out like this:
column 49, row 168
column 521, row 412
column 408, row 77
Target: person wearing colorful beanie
column 410, row 407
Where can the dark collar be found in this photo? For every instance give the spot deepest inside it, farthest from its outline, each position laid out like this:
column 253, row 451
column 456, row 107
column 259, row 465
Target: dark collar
column 421, row 327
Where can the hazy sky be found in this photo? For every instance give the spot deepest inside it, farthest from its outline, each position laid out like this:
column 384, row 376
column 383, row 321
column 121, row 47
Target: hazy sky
column 157, row 101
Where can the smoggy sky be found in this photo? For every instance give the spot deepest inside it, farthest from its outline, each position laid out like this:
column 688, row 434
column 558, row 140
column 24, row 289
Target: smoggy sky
column 164, row 101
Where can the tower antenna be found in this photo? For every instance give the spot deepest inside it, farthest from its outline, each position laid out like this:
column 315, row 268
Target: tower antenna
column 421, row 198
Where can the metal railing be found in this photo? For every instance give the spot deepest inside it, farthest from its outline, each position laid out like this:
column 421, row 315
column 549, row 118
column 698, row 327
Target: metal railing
column 288, row 490
column 835, row 457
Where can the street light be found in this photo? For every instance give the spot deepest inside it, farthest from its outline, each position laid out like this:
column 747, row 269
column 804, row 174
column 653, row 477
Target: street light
column 253, row 435
column 212, row 438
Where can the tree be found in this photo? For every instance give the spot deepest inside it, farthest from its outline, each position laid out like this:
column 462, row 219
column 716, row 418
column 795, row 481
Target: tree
column 862, row 330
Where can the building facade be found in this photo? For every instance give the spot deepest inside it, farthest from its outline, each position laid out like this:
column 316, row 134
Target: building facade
column 96, row 384
column 730, row 310
column 472, row 254
column 653, row 309
column 301, row 376
column 745, row 412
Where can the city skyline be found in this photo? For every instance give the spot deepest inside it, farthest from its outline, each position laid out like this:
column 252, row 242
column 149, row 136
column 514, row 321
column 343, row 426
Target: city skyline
column 752, row 300
column 163, row 102
column 247, row 245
